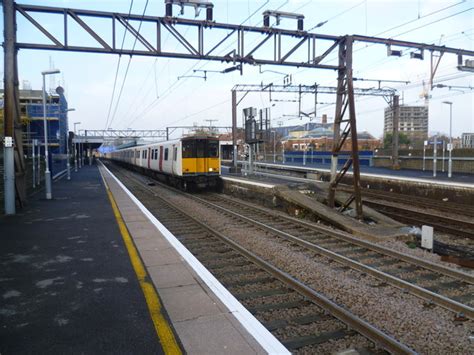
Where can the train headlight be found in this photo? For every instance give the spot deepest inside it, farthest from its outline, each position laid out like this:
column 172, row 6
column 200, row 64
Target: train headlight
column 211, row 169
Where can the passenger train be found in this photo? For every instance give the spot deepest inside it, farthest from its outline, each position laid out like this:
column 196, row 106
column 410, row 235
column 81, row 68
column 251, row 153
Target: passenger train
column 188, row 163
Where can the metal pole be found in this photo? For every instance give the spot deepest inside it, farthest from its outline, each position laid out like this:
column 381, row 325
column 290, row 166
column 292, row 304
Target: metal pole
column 434, row 155
column 75, row 157
column 89, row 154
column 33, row 144
column 234, row 129
column 442, row 162
column 47, row 173
column 9, row 105
column 424, row 155
column 38, row 161
column 80, row 155
column 274, row 147
column 251, row 159
column 9, row 176
column 68, row 164
column 395, row 128
column 450, row 159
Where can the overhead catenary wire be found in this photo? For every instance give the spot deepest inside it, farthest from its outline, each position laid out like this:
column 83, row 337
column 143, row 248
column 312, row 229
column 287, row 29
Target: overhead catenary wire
column 128, row 65
column 117, row 70
column 177, row 82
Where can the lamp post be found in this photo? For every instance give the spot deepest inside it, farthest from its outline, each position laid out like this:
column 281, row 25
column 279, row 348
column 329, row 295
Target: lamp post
column 75, row 148
column 68, row 163
column 47, row 172
column 274, row 147
column 450, row 145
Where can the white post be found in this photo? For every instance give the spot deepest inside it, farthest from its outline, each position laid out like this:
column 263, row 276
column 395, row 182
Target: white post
column 274, row 147
column 434, row 155
column 47, row 173
column 68, row 164
column 442, row 165
column 38, row 162
column 425, row 143
column 450, row 145
column 33, row 143
column 450, row 148
column 9, row 176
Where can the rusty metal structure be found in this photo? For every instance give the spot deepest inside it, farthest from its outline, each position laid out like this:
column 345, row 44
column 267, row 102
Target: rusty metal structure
column 316, row 48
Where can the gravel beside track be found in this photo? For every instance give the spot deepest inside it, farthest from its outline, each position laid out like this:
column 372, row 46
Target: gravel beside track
column 414, row 322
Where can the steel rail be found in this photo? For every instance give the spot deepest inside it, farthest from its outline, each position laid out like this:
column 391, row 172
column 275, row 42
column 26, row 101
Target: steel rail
column 395, row 281
column 354, row 322
column 462, row 225
column 468, row 278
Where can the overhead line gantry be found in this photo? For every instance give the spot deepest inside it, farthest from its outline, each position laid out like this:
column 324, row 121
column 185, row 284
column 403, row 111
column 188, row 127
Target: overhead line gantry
column 233, row 35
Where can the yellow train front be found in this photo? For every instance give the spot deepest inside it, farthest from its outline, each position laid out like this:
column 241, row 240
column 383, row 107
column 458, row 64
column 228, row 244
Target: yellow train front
column 189, row 162
column 200, row 162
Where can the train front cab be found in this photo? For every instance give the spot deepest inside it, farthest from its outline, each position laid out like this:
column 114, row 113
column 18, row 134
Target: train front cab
column 200, row 160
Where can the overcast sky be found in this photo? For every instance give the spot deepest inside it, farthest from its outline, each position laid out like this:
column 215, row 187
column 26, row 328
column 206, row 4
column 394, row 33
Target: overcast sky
column 153, row 97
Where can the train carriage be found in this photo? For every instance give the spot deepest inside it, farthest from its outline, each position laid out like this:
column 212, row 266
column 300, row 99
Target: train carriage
column 187, row 162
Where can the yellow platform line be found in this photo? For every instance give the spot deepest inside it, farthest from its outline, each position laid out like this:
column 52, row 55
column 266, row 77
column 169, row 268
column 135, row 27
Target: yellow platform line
column 162, row 327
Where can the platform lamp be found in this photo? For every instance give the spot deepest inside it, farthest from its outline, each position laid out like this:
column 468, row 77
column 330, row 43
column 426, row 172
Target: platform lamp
column 47, row 172
column 75, row 147
column 450, row 146
column 68, row 163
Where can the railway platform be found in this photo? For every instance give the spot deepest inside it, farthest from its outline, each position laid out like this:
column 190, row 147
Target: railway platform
column 87, row 271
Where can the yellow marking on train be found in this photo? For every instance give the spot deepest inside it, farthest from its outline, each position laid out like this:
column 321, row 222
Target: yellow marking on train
column 162, row 327
column 200, row 165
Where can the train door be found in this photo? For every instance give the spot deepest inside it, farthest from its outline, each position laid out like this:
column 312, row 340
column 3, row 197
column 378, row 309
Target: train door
column 161, row 159
column 201, row 161
column 148, row 157
column 174, row 153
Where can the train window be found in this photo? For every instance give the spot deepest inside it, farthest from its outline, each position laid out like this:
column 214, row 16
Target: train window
column 213, row 148
column 175, row 153
column 200, row 148
column 188, row 148
column 143, row 154
column 166, row 153
column 156, row 154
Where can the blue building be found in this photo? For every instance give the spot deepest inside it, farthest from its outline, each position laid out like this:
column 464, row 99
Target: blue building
column 31, row 105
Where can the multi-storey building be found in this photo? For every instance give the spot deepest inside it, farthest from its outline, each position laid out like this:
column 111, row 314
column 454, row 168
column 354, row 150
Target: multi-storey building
column 413, row 122
column 31, row 110
column 467, row 140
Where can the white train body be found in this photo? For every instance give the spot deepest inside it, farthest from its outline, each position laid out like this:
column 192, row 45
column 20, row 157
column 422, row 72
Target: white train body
column 189, row 160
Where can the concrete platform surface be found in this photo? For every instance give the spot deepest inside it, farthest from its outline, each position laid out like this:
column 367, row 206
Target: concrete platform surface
column 66, row 281
column 200, row 314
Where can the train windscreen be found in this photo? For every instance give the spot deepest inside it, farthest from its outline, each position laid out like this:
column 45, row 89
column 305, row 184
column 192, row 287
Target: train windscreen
column 200, row 148
column 213, row 148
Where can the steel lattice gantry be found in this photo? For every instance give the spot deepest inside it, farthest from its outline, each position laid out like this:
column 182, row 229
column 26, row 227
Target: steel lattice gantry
column 314, row 47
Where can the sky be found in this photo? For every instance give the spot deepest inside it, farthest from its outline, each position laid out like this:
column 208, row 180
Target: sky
column 154, row 98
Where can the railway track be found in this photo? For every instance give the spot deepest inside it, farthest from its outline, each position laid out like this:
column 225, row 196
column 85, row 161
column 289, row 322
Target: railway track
column 452, row 218
column 301, row 318
column 422, row 202
column 414, row 216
